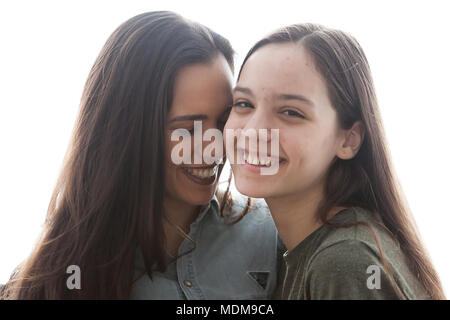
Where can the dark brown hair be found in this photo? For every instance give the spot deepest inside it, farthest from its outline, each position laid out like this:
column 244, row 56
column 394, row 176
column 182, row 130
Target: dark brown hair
column 368, row 180
column 108, row 198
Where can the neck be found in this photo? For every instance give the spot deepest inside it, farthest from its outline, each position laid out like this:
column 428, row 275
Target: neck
column 179, row 214
column 295, row 216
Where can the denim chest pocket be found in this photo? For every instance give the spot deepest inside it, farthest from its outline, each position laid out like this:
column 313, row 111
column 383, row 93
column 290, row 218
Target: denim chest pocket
column 237, row 261
column 261, row 277
column 254, row 286
column 258, row 276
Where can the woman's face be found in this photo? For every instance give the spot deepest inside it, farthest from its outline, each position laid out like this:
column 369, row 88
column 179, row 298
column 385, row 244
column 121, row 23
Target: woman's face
column 202, row 92
column 279, row 88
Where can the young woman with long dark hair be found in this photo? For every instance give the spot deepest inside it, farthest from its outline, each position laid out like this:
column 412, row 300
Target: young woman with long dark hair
column 335, row 199
column 134, row 223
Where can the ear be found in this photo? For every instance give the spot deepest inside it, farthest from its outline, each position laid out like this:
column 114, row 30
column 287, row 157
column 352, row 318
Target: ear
column 351, row 142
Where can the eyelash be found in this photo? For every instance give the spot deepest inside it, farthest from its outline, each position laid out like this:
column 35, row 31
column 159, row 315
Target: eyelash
column 294, row 113
column 221, row 122
column 238, row 104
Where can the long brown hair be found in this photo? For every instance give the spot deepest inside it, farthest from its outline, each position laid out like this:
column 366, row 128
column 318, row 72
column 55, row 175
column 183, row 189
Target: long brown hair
column 368, row 180
column 108, row 198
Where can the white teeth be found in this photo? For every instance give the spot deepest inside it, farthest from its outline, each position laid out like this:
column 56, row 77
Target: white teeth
column 255, row 161
column 202, row 173
column 248, row 159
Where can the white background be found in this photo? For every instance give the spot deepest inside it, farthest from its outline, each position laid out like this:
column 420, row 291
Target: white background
column 47, row 49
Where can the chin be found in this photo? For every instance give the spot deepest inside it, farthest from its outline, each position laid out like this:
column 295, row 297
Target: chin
column 199, row 198
column 252, row 190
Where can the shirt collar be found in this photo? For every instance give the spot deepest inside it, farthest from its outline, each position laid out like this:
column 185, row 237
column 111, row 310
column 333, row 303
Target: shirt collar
column 213, row 205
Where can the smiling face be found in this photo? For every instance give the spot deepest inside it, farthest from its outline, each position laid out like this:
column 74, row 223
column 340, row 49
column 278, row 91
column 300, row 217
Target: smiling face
column 280, row 88
column 202, row 92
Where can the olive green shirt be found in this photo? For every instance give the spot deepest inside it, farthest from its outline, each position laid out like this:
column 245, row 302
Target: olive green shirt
column 344, row 263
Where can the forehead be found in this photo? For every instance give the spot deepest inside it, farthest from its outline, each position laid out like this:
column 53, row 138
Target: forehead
column 202, row 87
column 283, row 67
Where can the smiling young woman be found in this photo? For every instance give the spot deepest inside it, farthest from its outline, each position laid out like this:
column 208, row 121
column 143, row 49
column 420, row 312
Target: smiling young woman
column 137, row 225
column 335, row 200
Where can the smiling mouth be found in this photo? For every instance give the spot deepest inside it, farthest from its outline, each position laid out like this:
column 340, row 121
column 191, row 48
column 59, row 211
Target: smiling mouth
column 202, row 175
column 255, row 160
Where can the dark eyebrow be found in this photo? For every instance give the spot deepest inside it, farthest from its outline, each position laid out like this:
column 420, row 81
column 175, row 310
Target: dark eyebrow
column 243, row 90
column 189, row 117
column 287, row 96
column 283, row 96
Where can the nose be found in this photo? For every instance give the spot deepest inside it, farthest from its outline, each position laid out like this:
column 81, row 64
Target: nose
column 260, row 123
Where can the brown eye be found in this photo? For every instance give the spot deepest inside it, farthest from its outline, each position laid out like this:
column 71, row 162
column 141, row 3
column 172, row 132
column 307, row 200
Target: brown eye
column 242, row 104
column 293, row 113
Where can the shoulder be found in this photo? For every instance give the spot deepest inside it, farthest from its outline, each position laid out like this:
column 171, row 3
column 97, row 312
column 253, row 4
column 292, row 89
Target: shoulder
column 344, row 257
column 350, row 256
column 359, row 226
column 353, row 241
column 348, row 269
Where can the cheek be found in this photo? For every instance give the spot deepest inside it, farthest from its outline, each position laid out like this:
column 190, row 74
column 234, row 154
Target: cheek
column 170, row 167
column 232, row 124
column 315, row 151
column 298, row 151
column 234, row 121
column 308, row 150
column 326, row 142
column 168, row 156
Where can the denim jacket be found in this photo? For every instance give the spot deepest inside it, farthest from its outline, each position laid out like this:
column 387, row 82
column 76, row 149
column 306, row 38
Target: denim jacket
column 227, row 261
